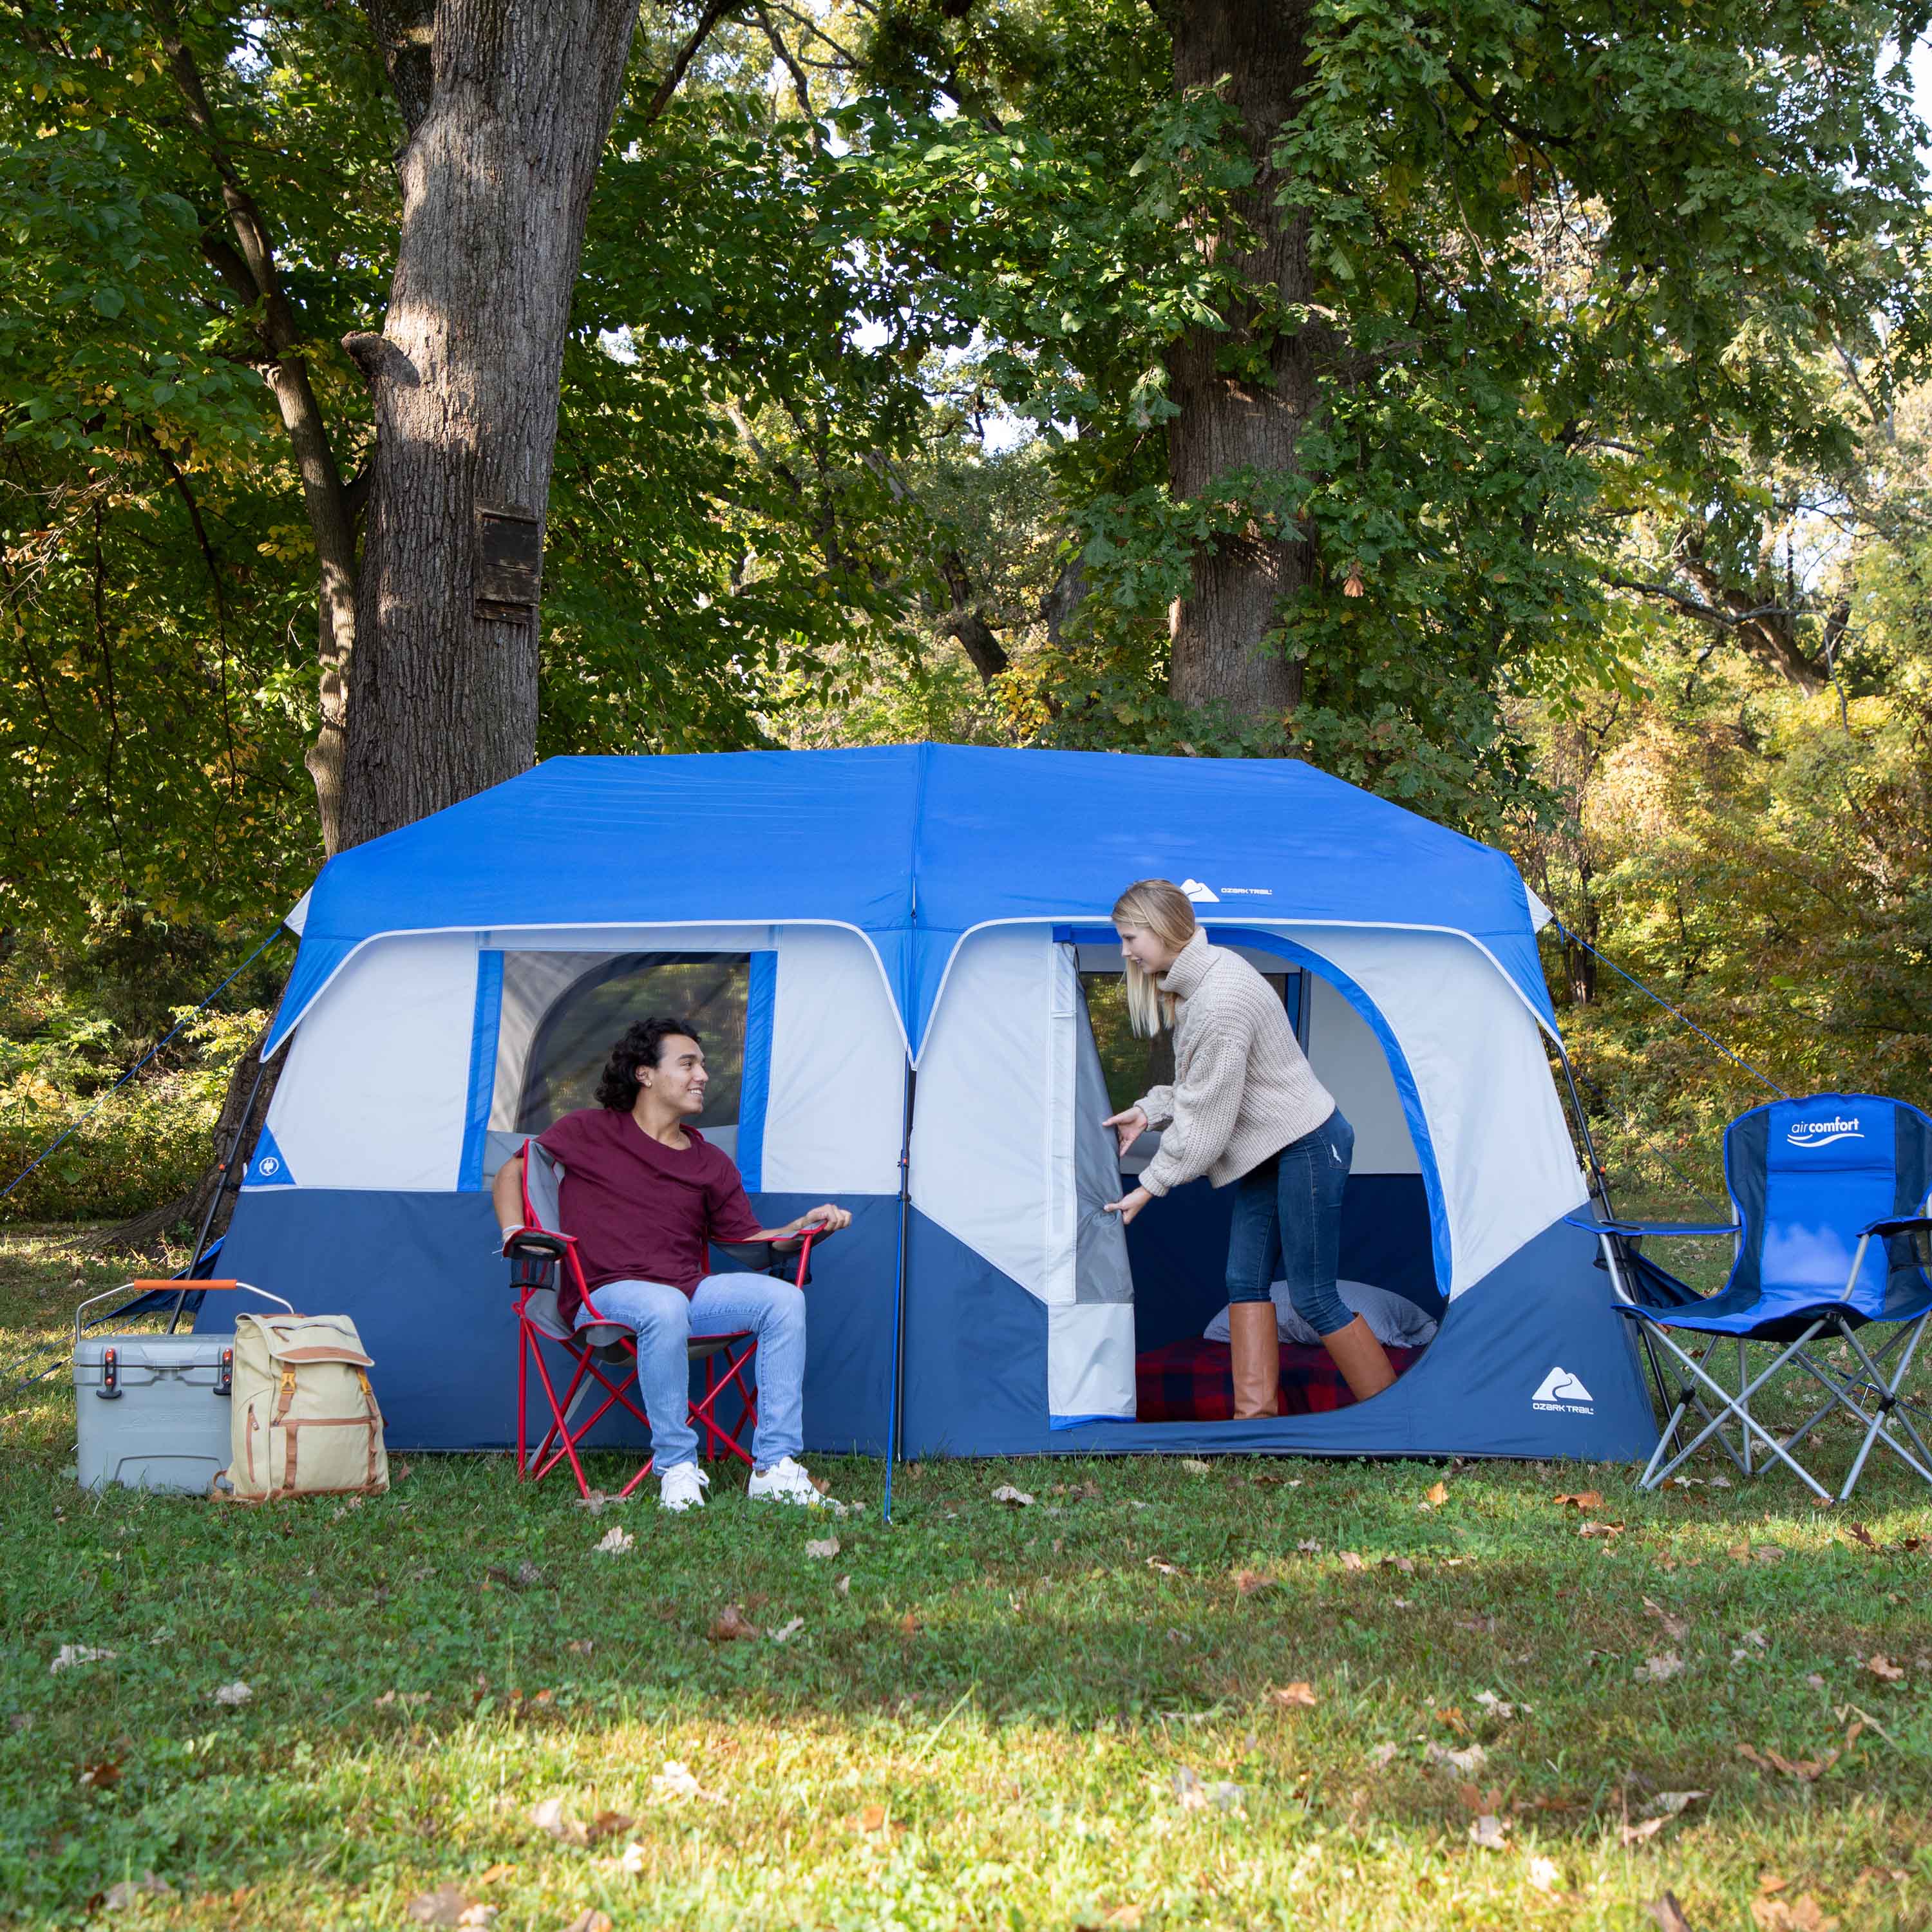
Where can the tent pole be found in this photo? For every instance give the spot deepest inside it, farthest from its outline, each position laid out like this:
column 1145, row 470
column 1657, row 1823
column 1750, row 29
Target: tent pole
column 1600, row 1181
column 893, row 1415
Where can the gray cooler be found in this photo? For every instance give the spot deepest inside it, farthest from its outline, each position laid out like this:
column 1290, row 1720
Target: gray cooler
column 151, row 1412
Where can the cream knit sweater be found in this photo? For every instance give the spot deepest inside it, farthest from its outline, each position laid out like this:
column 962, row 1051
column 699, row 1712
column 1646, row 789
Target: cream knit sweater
column 1243, row 1088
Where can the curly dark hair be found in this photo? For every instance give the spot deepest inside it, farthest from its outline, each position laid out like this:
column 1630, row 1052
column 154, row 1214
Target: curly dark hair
column 642, row 1045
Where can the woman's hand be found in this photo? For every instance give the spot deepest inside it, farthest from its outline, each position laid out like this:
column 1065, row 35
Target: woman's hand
column 1130, row 1127
column 1129, row 1205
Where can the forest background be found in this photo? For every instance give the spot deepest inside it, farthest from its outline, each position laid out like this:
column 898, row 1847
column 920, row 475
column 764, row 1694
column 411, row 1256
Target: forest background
column 1601, row 526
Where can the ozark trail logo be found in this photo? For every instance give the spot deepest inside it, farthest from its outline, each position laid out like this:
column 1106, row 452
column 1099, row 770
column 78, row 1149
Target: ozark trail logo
column 1562, row 1393
column 1207, row 896
column 1822, row 1133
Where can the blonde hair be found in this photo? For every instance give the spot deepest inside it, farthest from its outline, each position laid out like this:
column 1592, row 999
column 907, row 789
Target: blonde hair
column 1159, row 906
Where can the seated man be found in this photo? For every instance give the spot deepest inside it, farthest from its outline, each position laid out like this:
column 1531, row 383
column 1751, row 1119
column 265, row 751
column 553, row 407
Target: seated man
column 644, row 1195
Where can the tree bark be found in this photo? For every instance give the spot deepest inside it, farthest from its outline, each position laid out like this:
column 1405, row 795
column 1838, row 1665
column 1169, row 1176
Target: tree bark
column 496, row 179
column 1228, row 423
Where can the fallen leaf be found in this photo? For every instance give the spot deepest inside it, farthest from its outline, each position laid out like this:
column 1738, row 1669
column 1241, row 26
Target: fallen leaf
column 1810, row 1769
column 1472, row 1758
column 909, row 1623
column 1583, row 1499
column 549, row 1816
column 1768, row 1553
column 69, row 1654
column 1383, row 1755
column 1497, row 1707
column 1434, row 1496
column 1249, row 1582
column 1406, row 1564
column 1659, row 1669
column 1165, row 1568
column 1669, row 1914
column 607, row 1825
column 1600, row 1529
column 1197, row 1465
column 1675, row 1627
column 1802, row 1914
column 1187, row 1787
column 1488, row 1832
column 843, row 1587
column 1670, row 1803
column 132, row 1890
column 872, row 1818
column 634, row 1860
column 1635, row 1834
column 785, row 1633
column 1883, row 1668
column 1543, row 1875
column 237, row 1692
column 590, row 1920
column 1309, row 1546
column 676, row 1783
column 102, row 1775
column 581, row 1646
column 822, row 1547
column 1018, row 1498
column 447, row 1905
column 1127, row 1917
column 497, row 1873
column 731, row 1624
column 615, row 1541
column 1299, row 1695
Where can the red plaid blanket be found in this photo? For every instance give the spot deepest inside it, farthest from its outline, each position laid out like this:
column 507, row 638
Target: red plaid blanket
column 1191, row 1382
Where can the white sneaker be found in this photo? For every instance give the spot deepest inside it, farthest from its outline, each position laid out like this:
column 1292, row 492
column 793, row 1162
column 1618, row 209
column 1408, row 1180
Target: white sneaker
column 682, row 1487
column 785, row 1482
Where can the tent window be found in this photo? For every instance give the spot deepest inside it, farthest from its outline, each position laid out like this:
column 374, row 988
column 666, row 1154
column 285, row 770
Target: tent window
column 1132, row 1065
column 566, row 1059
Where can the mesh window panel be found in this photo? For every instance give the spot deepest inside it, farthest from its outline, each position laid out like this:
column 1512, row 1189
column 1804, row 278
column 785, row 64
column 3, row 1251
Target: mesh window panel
column 566, row 1059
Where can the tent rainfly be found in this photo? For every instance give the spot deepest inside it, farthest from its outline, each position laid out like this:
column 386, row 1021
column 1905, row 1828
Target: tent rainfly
column 900, row 960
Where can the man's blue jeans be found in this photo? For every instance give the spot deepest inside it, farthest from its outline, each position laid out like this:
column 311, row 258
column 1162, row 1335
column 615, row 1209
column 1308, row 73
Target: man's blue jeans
column 664, row 1319
column 1289, row 1210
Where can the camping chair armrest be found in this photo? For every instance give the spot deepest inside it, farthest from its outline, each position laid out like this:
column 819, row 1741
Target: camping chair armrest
column 1905, row 1224
column 538, row 1242
column 791, row 1244
column 1685, row 1228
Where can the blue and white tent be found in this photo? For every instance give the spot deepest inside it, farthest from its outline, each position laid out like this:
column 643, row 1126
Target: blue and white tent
column 900, row 961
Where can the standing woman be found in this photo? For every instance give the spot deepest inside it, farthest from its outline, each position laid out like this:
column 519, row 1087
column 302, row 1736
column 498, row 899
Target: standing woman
column 1247, row 1111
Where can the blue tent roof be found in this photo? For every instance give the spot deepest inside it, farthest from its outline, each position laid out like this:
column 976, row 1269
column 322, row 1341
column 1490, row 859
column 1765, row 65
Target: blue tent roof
column 913, row 845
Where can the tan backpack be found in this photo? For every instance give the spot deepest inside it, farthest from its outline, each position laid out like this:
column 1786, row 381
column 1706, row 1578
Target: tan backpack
column 305, row 1422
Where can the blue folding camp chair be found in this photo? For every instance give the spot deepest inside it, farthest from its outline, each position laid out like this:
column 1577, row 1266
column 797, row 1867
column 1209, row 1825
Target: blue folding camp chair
column 1830, row 1194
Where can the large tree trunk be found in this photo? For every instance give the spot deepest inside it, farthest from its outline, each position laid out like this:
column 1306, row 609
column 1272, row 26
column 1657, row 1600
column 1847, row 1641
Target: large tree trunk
column 496, row 181
column 1230, row 423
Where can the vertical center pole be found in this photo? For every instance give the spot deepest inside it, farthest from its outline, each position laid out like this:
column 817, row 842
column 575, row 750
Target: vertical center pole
column 892, row 1414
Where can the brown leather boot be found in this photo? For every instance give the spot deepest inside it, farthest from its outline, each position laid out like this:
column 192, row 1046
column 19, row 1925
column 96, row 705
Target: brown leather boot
column 1255, row 1342
column 1363, row 1360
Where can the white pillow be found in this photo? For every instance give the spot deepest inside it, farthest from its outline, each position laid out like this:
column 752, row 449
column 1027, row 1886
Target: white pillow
column 1393, row 1319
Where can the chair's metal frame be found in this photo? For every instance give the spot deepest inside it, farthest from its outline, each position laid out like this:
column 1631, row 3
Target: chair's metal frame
column 1872, row 1397
column 535, row 1253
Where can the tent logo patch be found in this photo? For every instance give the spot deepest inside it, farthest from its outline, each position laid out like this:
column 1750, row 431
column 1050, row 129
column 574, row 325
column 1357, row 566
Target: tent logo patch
column 1822, row 1133
column 1561, row 1393
column 1200, row 894
column 269, row 1169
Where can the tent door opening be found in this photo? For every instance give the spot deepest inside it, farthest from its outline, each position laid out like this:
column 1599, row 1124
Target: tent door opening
column 1177, row 1248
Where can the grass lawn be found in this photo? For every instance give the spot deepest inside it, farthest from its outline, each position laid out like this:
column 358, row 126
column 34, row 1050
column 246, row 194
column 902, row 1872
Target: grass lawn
column 1078, row 1713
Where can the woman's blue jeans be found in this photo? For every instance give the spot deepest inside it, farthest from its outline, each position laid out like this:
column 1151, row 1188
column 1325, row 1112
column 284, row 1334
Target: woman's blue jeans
column 1289, row 1210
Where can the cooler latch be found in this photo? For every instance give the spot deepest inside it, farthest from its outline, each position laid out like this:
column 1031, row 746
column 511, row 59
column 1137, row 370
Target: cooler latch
column 110, row 1375
column 224, row 1378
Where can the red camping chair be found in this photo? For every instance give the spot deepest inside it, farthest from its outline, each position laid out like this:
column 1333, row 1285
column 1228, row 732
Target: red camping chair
column 602, row 1355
